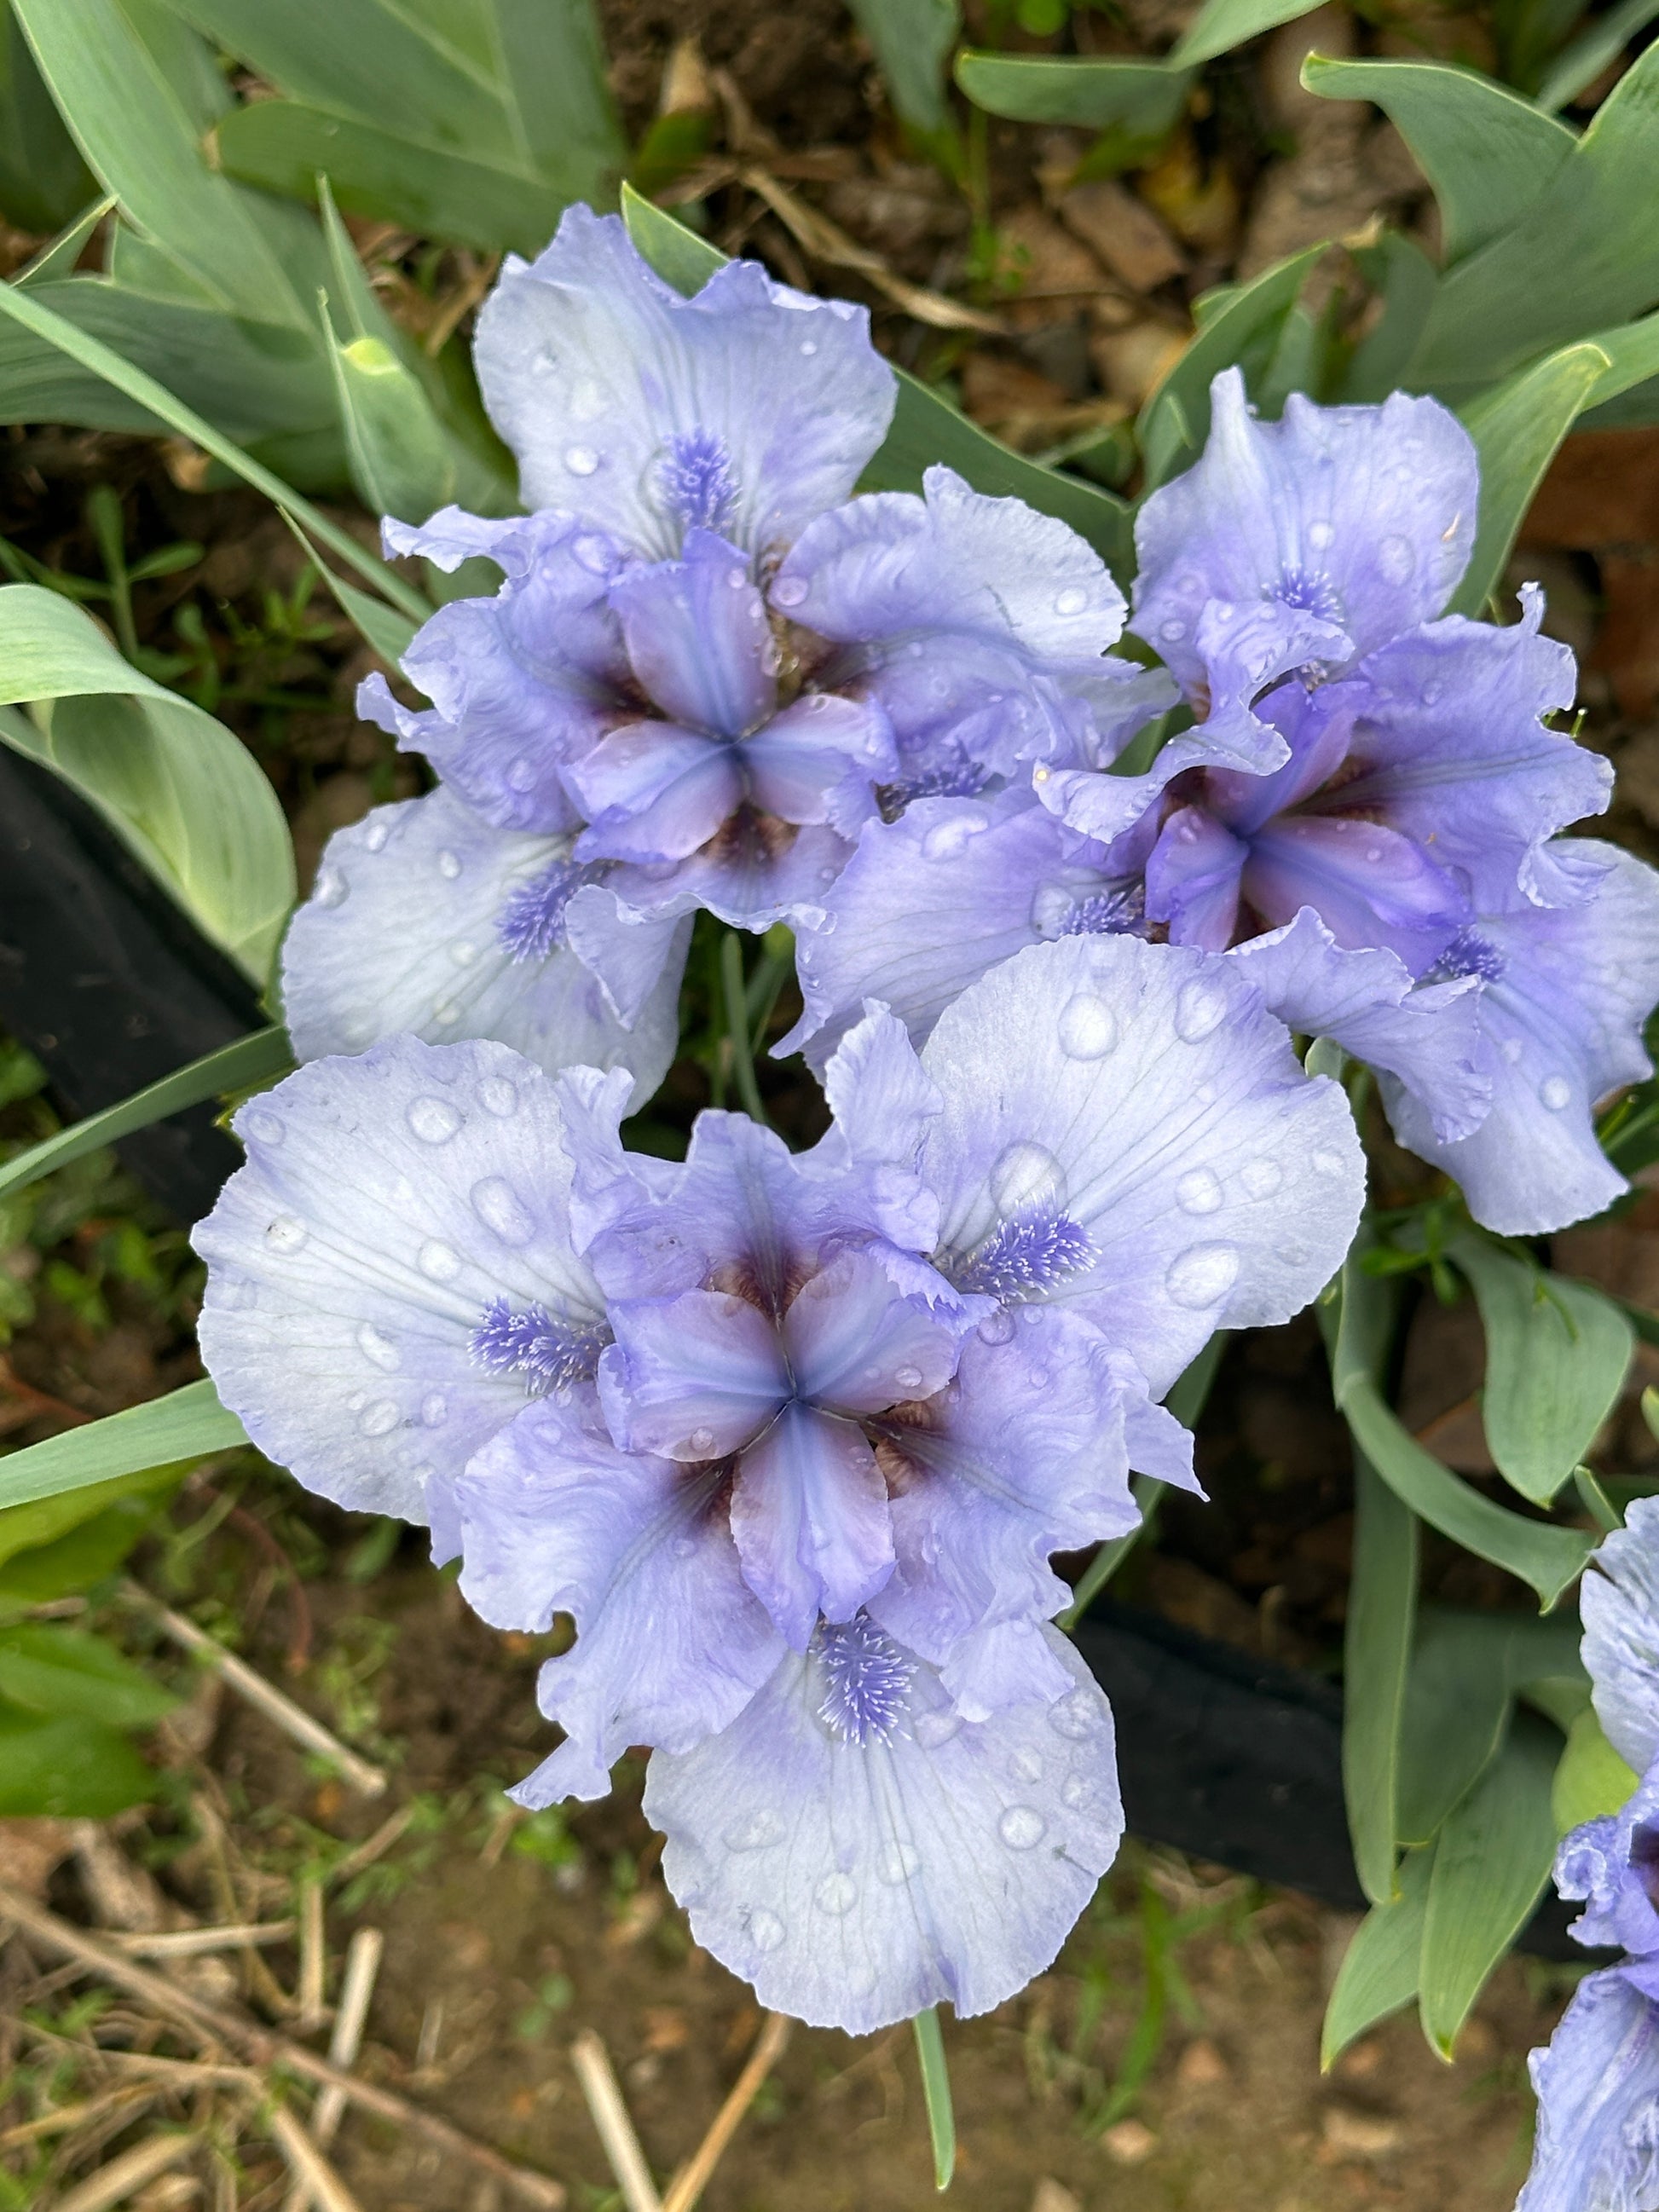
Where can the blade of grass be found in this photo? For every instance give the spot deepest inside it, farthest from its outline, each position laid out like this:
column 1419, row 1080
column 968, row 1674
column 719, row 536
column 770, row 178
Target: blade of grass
column 936, row 2091
column 737, row 1027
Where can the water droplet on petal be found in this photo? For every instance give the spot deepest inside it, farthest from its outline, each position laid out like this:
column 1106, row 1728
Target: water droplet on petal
column 947, row 840
column 1510, row 1049
column 907, row 1378
column 1074, row 1716
column 445, row 1013
column 463, row 952
column 1260, row 1178
column 701, row 1440
column 996, row 1327
column 375, row 834
column 434, row 1410
column 765, row 1930
column 520, row 774
column 1172, row 632
column 1328, row 1164
column 330, row 888
column 437, row 1262
column 377, row 1347
column 265, row 1129
column 1432, row 693
column 1077, row 1791
column 1320, row 535
column 1202, row 1275
column 755, row 1833
column 1025, row 1766
column 898, row 1862
column 285, row 1234
column 931, row 1729
column 1027, row 1178
column 837, row 1894
column 500, row 1209
column 1556, row 1093
column 1088, row 1027
column 1051, row 909
column 580, row 460
column 433, row 1120
column 1200, row 1008
column 594, row 554
column 378, row 1419
column 1021, row 1827
column 1071, row 601
column 808, row 347
column 789, row 591
column 684, row 1546
column 1199, row 1191
column 449, row 865
column 1395, row 558
column 498, row 1096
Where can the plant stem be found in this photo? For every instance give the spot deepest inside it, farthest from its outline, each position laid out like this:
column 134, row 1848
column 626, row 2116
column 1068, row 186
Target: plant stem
column 737, row 1027
column 936, row 2089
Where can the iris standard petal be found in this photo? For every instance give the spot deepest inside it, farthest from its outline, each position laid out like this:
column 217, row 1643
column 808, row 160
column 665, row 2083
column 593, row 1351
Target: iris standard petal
column 698, row 639
column 692, row 1376
column 1570, row 987
column 385, row 1202
column 1142, row 1094
column 1597, row 2086
column 1428, row 1035
column 854, row 1883
column 402, row 933
column 1362, row 515
column 855, row 1346
column 1025, row 1454
column 1620, row 1611
column 654, row 792
column 671, row 1644
column 520, row 682
column 750, row 408
column 811, row 1523
column 1193, row 879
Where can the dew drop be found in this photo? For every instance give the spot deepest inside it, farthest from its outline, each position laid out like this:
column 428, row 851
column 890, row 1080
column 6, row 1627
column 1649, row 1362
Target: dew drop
column 593, row 554
column 1021, row 1827
column 898, row 1862
column 837, row 1894
column 500, row 1208
column 1088, row 1027
column 1200, row 1008
column 377, row 1347
column 931, row 1729
column 1199, row 1191
column 1293, row 1256
column 520, row 774
column 1071, row 601
column 1432, row 693
column 1202, row 1275
column 948, row 841
column 996, row 1327
column 1260, row 1178
column 1074, row 1716
column 463, row 952
column 437, row 1262
column 375, row 834
column 1027, row 1178
column 765, row 1930
column 684, row 1546
column 1328, row 1164
column 330, row 888
column 1052, row 905
column 378, row 1419
column 808, row 347
column 580, row 460
column 445, row 1013
column 1510, row 1049
column 1172, row 632
column 433, row 1121
column 755, row 1833
column 498, row 1096
column 1025, row 1766
column 789, row 591
column 285, row 1234
column 701, row 1440
column 907, row 1378
column 265, row 1128
column 449, row 865
column 1077, row 1791
column 1395, row 558
column 434, row 1410
column 1556, row 1093
column 1320, row 535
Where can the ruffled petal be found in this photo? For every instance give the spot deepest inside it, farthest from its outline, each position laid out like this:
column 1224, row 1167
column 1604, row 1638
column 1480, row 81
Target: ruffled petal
column 1570, row 987
column 1025, row 1454
column 519, row 683
column 750, row 408
column 755, row 871
column 401, row 933
column 1608, row 1863
column 1597, row 2087
column 809, row 1518
column 698, row 639
column 853, row 1884
column 385, row 1202
column 1449, row 743
column 854, row 1346
column 1193, row 879
column 671, row 1642
column 692, row 1376
column 927, row 904
column 1620, row 1611
column 1142, row 1095
column 1362, row 515
column 1428, row 1035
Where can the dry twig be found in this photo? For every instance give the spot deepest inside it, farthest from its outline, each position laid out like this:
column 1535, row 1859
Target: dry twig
column 692, row 2179
column 315, row 2180
column 263, row 2048
column 615, row 2131
column 125, row 2176
column 189, row 1942
column 826, row 241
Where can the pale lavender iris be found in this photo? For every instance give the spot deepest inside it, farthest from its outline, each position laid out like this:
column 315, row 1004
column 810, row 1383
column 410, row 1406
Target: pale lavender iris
column 1597, row 2084
column 1364, row 812
column 793, row 1437
column 706, row 667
